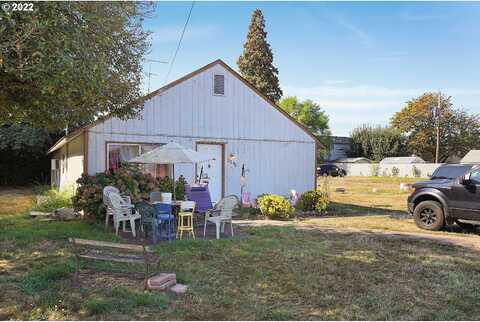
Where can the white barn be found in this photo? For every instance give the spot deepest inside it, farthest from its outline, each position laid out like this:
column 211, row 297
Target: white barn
column 214, row 110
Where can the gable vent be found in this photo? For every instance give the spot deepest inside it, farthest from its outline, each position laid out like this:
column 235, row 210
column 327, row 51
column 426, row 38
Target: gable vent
column 218, row 84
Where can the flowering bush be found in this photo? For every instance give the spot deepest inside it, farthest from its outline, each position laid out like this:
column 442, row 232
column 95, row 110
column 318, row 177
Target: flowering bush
column 128, row 179
column 275, row 207
column 313, row 201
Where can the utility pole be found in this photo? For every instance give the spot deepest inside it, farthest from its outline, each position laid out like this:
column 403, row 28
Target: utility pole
column 437, row 121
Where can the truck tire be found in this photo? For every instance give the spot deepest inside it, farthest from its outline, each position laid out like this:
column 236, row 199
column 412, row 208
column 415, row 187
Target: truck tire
column 429, row 215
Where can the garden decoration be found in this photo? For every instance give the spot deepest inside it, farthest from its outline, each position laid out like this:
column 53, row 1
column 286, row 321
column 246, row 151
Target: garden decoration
column 293, row 197
column 243, row 182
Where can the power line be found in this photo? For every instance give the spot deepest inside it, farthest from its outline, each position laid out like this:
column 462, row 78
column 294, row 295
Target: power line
column 179, row 42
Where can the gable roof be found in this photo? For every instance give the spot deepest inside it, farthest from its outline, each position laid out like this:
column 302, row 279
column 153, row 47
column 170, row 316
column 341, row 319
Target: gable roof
column 76, row 133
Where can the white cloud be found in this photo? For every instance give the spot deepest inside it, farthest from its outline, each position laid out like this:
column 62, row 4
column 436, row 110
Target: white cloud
column 171, row 33
column 410, row 16
column 356, row 30
column 390, row 56
column 353, row 91
column 350, row 105
column 335, row 82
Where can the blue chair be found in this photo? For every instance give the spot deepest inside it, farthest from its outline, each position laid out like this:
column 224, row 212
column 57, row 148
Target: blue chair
column 166, row 227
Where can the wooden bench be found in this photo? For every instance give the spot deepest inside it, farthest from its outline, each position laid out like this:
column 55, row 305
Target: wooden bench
column 112, row 252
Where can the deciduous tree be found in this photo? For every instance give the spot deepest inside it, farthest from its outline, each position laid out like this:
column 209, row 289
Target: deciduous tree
column 459, row 131
column 256, row 62
column 377, row 142
column 311, row 115
column 307, row 113
column 23, row 154
column 66, row 63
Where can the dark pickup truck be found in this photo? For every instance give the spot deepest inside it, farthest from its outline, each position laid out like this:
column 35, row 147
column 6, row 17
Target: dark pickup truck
column 451, row 195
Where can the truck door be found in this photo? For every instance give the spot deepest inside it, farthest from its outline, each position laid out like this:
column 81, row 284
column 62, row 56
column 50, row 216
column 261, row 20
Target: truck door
column 466, row 197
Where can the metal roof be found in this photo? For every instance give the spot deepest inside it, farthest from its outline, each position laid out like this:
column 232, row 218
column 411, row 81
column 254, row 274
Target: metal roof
column 353, row 160
column 402, row 160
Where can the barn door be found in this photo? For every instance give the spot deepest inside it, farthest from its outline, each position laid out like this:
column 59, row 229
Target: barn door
column 213, row 169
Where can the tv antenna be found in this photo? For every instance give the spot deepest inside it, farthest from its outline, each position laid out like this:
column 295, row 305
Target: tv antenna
column 150, row 74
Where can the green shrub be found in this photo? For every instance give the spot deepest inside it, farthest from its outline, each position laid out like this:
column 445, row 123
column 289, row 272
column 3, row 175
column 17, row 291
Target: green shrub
column 55, row 200
column 100, row 305
column 275, row 207
column 416, row 172
column 313, row 201
column 129, row 180
column 395, row 172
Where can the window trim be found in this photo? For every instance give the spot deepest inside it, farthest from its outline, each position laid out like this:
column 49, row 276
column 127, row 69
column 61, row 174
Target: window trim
column 108, row 144
column 139, row 144
column 213, row 87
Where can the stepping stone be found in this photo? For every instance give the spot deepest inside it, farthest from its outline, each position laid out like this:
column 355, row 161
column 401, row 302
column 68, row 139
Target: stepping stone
column 40, row 214
column 162, row 281
column 179, row 288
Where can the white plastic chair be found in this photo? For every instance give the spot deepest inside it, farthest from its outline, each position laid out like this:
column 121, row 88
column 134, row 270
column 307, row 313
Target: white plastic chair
column 221, row 213
column 122, row 212
column 106, row 191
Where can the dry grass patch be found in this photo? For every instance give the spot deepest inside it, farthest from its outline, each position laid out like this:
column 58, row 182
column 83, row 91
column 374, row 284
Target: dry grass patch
column 276, row 273
column 372, row 203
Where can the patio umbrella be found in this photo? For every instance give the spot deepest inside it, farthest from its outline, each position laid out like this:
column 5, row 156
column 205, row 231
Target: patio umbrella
column 171, row 153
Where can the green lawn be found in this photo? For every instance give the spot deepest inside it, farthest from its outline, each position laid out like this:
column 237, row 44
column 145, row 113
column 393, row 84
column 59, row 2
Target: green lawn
column 277, row 273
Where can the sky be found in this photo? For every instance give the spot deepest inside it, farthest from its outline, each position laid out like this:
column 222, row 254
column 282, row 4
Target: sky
column 361, row 61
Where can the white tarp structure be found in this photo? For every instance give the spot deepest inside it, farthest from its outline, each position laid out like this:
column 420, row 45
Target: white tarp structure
column 473, row 156
column 171, row 153
column 353, row 160
column 402, row 160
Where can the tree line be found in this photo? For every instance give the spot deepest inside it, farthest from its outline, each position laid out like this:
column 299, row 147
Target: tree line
column 413, row 130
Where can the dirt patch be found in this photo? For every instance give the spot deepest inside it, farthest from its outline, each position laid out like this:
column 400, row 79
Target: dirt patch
column 94, row 279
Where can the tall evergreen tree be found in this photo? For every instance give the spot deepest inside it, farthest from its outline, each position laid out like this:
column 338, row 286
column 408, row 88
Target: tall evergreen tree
column 256, row 61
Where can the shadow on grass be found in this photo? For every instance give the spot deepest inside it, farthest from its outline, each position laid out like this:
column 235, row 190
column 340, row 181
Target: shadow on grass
column 278, row 273
column 351, row 210
column 343, row 210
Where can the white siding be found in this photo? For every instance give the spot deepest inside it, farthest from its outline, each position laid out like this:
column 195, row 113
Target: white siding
column 277, row 152
column 71, row 163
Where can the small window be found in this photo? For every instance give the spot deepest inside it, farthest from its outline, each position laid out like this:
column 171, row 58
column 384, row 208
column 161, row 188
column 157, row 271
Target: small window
column 218, row 84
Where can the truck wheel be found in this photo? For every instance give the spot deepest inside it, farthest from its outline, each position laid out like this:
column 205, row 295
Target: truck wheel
column 429, row 215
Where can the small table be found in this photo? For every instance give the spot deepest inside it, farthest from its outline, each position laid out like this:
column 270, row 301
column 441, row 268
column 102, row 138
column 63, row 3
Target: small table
column 175, row 205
